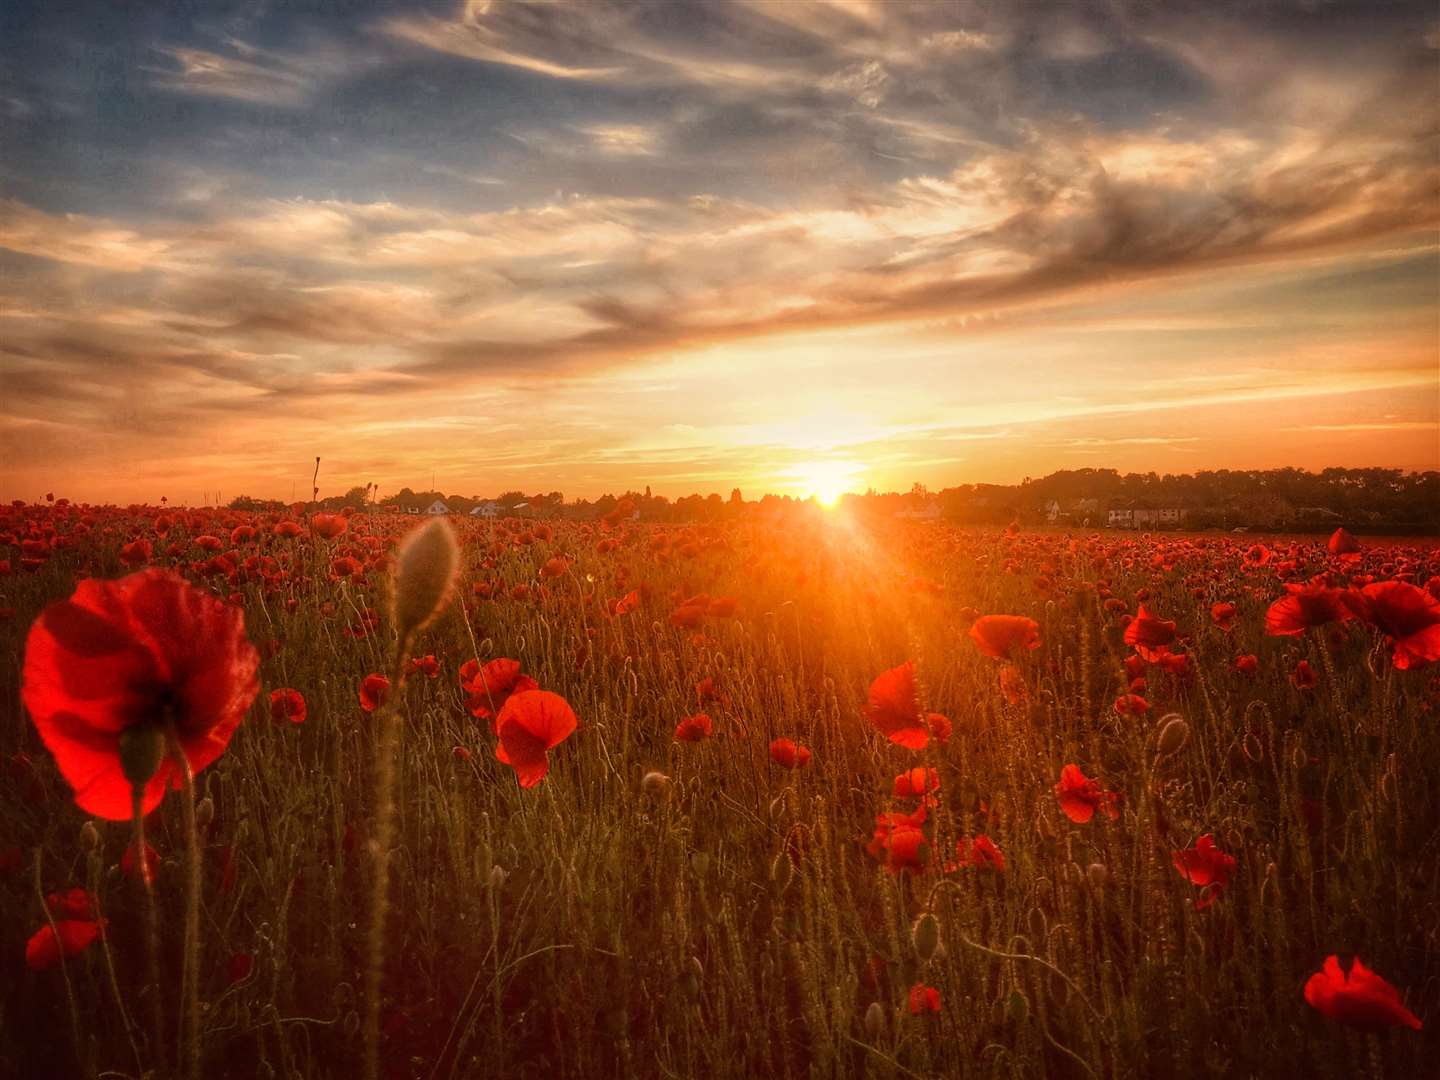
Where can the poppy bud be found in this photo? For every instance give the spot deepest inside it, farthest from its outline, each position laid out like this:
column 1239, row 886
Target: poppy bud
column 1017, row 1009
column 424, row 575
column 655, row 783
column 204, row 812
column 1298, row 759
column 781, row 871
column 89, row 836
column 699, row 862
column 874, row 1020
column 1098, row 874
column 925, row 936
column 497, row 877
column 1174, row 734
column 351, row 1024
column 1252, row 747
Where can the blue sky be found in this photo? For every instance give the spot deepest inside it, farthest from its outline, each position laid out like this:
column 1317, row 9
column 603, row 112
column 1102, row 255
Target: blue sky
column 596, row 245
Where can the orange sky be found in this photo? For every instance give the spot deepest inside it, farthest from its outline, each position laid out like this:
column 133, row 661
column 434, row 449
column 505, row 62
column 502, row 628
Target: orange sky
column 773, row 246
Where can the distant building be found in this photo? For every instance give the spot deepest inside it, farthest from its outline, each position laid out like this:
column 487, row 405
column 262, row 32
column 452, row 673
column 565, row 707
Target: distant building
column 486, row 510
column 1134, row 517
column 929, row 510
column 438, row 507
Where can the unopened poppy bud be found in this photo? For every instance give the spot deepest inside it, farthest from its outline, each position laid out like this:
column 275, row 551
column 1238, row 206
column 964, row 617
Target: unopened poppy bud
column 1174, row 734
column 89, row 836
column 781, row 871
column 1298, row 759
column 874, row 1020
column 699, row 862
column 1017, row 1009
column 351, row 1024
column 925, row 936
column 204, row 812
column 497, row 876
column 655, row 783
column 424, row 575
column 1098, row 874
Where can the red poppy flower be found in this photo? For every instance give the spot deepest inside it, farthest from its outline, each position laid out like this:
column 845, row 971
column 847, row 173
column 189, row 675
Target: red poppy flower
column 1257, row 555
column 329, row 525
column 1207, row 866
column 924, row 999
column 288, row 704
column 1304, row 607
column 916, row 783
column 1359, row 998
column 120, row 657
column 423, row 665
column 1305, row 677
column 1080, row 796
column 693, row 728
column 789, row 753
column 939, row 725
column 136, row 553
column 1408, row 615
column 238, row 968
column 900, row 844
column 1001, row 635
column 374, row 689
column 980, row 852
column 894, row 709
column 488, row 688
column 1342, row 543
column 531, row 724
column 1223, row 615
column 45, row 948
column 1131, row 705
column 1247, row 663
column 1149, row 634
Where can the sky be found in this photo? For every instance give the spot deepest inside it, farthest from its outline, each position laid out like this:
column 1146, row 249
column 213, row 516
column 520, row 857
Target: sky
column 784, row 246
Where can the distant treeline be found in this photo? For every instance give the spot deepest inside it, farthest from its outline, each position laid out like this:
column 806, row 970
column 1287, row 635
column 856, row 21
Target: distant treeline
column 1379, row 499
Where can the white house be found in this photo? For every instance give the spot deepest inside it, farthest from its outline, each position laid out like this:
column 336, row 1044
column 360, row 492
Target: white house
column 486, row 510
column 929, row 510
column 438, row 507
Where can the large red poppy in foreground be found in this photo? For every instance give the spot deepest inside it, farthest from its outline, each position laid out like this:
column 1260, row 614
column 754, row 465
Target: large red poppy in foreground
column 147, row 649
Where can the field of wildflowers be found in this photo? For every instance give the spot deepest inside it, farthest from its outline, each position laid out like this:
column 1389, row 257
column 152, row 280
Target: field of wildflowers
column 292, row 795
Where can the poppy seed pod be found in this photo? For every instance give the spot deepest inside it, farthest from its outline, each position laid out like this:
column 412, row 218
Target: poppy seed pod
column 497, row 876
column 1174, row 734
column 925, row 936
column 204, row 812
column 1098, row 874
column 424, row 575
column 89, row 836
column 655, row 783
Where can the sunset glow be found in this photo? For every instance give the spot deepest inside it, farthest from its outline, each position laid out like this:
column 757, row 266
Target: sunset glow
column 574, row 247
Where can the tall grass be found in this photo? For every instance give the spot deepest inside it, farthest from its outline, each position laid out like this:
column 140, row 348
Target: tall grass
column 732, row 924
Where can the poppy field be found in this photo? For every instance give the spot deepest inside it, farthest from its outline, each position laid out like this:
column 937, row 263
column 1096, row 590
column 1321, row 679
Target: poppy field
column 301, row 794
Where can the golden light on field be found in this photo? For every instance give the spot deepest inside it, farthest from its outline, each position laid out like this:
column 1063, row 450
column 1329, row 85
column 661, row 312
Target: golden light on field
column 826, row 481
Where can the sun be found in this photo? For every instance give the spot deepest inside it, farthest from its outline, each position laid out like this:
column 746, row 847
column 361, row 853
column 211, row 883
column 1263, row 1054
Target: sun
column 826, row 481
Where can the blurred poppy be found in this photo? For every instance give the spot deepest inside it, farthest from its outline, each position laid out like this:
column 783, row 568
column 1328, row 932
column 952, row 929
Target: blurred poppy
column 1223, row 615
column 1080, row 796
column 69, row 937
column 916, row 783
column 287, row 704
column 790, row 754
column 1001, row 635
column 693, row 728
column 374, row 689
column 1358, row 998
column 1304, row 676
column 924, row 999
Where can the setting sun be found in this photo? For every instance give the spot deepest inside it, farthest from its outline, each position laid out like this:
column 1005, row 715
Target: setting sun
column 826, row 481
